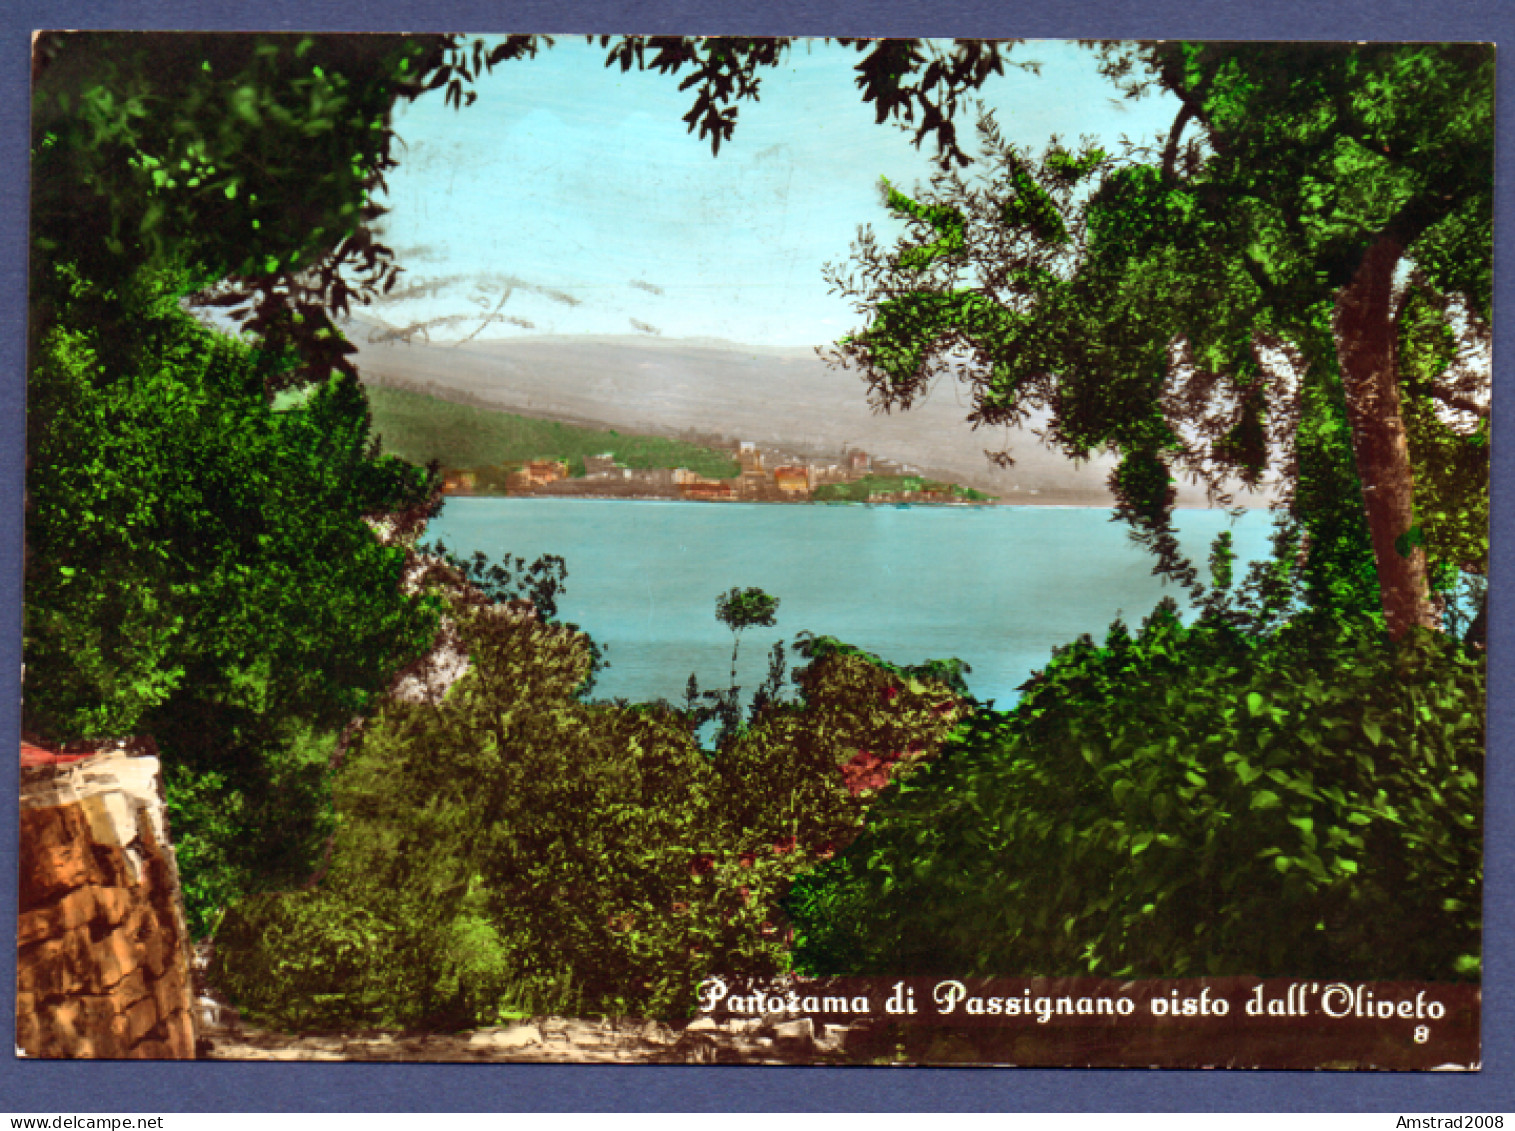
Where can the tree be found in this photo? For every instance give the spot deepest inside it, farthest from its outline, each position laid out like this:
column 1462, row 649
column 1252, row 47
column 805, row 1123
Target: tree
column 246, row 162
column 741, row 609
column 507, row 848
column 1205, row 307
column 738, row 610
column 515, row 847
column 1276, row 293
column 202, row 559
column 203, row 565
column 1208, row 799
column 202, row 569
column 254, row 160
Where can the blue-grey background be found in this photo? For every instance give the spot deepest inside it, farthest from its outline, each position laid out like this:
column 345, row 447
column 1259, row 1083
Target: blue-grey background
column 146, row 1088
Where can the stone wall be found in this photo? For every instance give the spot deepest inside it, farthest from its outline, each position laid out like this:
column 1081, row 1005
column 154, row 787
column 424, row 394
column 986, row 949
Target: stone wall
column 103, row 962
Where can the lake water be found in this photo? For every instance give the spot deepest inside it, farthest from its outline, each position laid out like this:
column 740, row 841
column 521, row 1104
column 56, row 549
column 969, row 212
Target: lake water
column 998, row 587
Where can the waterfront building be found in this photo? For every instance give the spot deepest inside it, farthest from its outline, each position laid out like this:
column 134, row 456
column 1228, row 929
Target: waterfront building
column 792, row 480
column 539, row 472
column 456, row 482
column 602, row 465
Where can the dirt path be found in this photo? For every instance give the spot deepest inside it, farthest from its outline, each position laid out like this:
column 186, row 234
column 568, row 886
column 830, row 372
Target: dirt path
column 546, row 1040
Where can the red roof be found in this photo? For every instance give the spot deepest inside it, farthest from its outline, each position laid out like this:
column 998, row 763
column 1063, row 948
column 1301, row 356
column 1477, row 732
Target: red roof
column 37, row 756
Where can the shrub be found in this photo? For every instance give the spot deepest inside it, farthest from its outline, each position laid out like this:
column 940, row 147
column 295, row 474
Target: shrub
column 579, row 840
column 203, row 569
column 510, row 848
column 803, row 774
column 1193, row 801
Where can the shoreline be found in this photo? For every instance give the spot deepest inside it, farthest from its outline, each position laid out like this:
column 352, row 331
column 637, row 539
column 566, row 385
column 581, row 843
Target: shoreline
column 619, row 498
column 447, row 496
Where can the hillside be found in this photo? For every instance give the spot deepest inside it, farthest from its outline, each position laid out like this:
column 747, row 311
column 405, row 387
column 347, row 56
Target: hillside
column 422, row 428
column 783, row 397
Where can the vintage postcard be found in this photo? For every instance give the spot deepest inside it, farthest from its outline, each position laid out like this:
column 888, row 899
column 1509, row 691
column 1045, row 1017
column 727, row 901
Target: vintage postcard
column 668, row 550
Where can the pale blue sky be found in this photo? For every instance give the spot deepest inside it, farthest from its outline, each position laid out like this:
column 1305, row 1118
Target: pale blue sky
column 581, row 186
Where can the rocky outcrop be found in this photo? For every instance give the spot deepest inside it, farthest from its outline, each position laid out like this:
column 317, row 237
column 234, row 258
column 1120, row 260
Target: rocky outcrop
column 102, row 964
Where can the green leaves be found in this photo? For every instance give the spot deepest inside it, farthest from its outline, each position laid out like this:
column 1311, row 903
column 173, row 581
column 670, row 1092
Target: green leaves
column 1072, row 168
column 1033, row 209
column 949, row 222
column 1135, row 313
column 1197, row 800
column 202, row 570
column 588, row 858
column 249, row 165
column 746, row 608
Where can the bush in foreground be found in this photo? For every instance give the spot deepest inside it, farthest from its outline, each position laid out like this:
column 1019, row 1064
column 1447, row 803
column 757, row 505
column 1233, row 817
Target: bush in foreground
column 510, row 849
column 1191, row 801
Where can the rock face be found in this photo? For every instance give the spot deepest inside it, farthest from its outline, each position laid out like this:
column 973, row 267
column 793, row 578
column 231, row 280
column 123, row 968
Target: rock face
column 102, row 967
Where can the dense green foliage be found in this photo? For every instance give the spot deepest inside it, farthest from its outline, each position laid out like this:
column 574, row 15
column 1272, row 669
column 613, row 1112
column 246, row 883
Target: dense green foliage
column 1178, row 308
column 203, row 567
column 803, row 773
column 512, row 848
column 187, row 539
column 1182, row 802
column 567, row 830
column 201, row 570
column 740, row 609
column 1274, row 789
column 243, row 162
column 1451, row 468
column 421, row 429
column 1336, row 552
column 200, row 566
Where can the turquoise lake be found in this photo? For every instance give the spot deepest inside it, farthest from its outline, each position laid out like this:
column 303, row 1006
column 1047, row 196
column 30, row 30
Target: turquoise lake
column 997, row 587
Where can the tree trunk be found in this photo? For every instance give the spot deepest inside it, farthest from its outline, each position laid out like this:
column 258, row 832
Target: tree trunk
column 1367, row 348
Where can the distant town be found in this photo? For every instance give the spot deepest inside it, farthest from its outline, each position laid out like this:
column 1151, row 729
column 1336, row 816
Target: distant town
column 765, row 476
